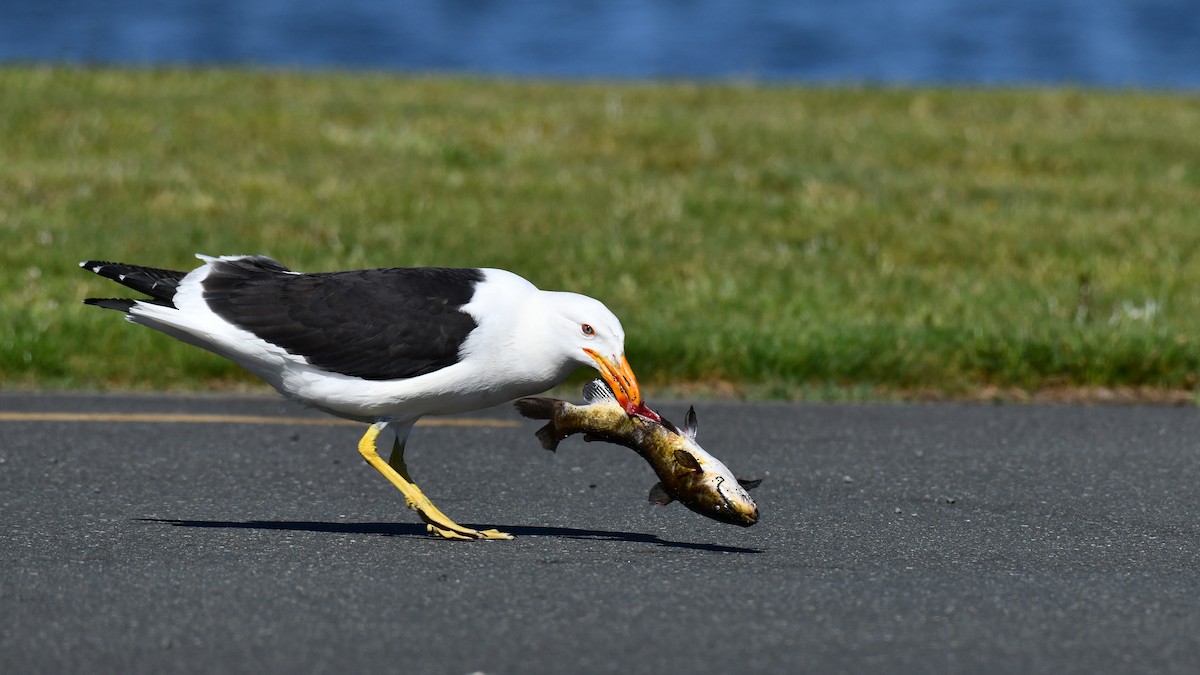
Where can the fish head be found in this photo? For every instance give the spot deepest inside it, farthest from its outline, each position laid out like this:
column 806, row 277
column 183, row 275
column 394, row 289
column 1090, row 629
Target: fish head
column 706, row 486
column 720, row 497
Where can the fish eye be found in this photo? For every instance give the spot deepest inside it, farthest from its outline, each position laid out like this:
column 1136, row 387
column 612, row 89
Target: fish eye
column 587, row 330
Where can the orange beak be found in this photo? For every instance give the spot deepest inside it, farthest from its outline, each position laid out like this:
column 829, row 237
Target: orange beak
column 620, row 379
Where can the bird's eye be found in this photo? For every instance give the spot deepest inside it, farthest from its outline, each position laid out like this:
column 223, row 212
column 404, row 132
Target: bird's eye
column 587, row 329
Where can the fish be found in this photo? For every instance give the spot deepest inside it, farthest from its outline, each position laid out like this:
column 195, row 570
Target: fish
column 686, row 473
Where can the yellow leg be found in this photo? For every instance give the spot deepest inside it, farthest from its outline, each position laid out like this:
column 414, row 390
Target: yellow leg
column 397, row 473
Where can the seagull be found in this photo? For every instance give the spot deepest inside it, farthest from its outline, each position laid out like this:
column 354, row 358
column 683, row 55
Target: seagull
column 383, row 346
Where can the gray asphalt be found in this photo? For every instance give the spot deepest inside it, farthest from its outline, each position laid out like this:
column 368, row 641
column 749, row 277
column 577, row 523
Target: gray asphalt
column 894, row 538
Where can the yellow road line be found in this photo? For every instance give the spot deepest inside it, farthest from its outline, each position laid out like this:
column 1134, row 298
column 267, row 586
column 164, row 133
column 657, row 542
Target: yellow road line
column 184, row 418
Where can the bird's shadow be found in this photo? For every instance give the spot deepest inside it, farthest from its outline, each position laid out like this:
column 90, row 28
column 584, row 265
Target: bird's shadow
column 416, row 530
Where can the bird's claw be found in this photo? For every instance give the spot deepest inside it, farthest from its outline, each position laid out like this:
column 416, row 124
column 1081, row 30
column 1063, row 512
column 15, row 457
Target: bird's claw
column 466, row 533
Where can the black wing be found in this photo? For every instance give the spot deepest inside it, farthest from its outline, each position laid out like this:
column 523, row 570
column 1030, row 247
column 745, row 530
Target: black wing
column 380, row 324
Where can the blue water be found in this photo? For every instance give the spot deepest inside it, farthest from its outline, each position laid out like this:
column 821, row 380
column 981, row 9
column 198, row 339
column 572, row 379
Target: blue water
column 1106, row 43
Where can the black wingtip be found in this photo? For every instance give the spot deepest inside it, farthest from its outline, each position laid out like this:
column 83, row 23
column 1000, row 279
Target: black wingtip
column 98, row 266
column 119, row 304
column 157, row 283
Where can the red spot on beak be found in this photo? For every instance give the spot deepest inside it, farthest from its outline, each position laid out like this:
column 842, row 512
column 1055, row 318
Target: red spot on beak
column 642, row 411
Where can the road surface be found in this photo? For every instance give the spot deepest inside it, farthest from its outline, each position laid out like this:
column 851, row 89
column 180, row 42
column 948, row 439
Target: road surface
column 156, row 534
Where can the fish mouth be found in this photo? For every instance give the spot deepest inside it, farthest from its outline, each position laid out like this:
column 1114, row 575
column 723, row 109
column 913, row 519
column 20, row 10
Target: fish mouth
column 747, row 516
column 619, row 377
column 738, row 512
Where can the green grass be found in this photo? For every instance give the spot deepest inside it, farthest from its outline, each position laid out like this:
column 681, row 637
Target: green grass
column 777, row 240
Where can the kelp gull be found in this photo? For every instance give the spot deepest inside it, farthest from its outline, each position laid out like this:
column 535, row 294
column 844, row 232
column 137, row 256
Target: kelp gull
column 383, row 346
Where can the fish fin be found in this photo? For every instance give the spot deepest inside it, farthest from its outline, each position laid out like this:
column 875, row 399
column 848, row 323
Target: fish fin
column 671, row 427
column 658, row 495
column 536, row 407
column 749, row 484
column 597, row 391
column 591, row 438
column 688, row 461
column 689, row 423
column 549, row 437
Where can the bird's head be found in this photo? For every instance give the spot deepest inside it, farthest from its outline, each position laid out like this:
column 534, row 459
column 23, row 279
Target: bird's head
column 596, row 339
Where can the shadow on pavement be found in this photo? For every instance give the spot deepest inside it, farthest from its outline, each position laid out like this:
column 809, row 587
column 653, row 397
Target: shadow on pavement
column 418, row 530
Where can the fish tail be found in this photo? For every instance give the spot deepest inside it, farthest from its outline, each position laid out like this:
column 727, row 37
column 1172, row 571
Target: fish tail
column 543, row 409
column 549, row 437
column 537, row 408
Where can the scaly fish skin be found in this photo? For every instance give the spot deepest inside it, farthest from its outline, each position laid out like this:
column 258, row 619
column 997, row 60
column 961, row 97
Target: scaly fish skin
column 686, row 472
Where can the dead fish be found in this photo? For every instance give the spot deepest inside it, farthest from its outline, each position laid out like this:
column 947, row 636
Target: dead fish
column 685, row 471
